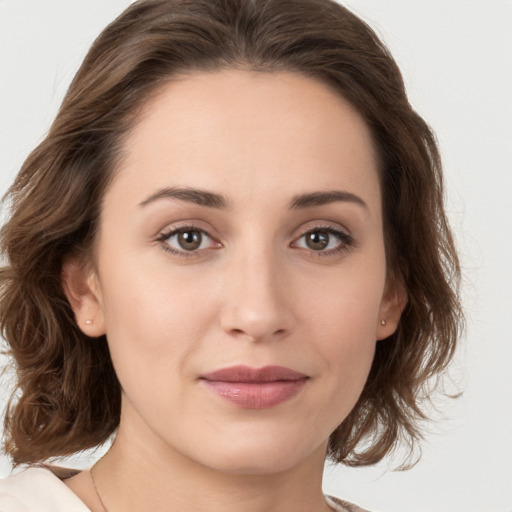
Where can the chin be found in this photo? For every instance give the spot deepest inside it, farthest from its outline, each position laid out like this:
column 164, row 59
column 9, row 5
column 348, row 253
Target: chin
column 260, row 457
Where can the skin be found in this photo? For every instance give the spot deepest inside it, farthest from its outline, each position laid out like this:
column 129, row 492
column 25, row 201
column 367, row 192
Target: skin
column 255, row 293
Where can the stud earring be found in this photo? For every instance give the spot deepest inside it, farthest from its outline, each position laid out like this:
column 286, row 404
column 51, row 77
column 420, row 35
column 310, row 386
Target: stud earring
column 89, row 322
column 383, row 322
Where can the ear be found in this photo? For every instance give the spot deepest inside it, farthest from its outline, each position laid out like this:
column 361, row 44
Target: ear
column 393, row 303
column 81, row 286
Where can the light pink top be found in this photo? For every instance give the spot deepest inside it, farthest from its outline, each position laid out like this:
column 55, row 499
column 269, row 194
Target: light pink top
column 41, row 490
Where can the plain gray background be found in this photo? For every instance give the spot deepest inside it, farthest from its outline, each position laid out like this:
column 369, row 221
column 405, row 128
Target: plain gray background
column 456, row 56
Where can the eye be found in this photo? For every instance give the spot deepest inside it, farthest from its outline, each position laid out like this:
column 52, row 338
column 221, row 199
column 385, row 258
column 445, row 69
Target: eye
column 324, row 240
column 187, row 239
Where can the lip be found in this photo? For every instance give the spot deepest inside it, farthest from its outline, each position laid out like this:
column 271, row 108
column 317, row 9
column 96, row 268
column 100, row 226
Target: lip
column 255, row 388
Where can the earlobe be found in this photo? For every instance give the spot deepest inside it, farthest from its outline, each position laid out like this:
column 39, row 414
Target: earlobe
column 391, row 308
column 81, row 288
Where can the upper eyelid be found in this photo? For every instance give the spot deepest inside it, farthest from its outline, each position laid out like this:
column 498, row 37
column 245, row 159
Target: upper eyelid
column 335, row 228
column 195, row 225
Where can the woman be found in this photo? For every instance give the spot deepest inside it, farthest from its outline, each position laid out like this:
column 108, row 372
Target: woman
column 231, row 252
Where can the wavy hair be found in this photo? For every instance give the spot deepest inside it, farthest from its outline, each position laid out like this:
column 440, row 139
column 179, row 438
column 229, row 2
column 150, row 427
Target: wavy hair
column 68, row 397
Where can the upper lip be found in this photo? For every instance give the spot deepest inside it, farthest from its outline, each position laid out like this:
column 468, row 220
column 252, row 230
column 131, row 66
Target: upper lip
column 255, row 375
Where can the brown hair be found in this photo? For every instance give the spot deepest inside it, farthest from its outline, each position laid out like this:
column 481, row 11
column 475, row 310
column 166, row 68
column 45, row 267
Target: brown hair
column 68, row 397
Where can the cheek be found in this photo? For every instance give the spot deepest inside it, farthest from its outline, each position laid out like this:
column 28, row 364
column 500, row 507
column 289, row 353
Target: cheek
column 348, row 344
column 346, row 304
column 153, row 322
column 154, row 330
column 342, row 317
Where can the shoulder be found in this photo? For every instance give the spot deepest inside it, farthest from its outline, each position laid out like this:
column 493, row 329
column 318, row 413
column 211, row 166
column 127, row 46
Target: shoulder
column 40, row 489
column 343, row 506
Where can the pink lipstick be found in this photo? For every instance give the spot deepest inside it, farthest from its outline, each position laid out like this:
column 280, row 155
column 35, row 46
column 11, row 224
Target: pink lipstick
column 255, row 388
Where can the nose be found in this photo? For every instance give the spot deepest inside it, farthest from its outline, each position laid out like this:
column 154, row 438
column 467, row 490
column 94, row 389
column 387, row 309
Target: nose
column 257, row 304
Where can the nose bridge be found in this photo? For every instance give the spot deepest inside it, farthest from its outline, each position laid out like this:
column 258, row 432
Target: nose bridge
column 255, row 301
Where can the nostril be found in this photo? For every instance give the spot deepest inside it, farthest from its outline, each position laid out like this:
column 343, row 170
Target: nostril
column 254, row 337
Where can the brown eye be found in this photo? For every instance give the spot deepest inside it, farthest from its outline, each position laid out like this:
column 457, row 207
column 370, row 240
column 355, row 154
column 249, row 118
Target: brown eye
column 324, row 241
column 189, row 239
column 317, row 240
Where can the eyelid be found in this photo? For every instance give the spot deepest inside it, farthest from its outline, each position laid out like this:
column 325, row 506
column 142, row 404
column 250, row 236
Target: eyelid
column 319, row 225
column 347, row 241
column 171, row 231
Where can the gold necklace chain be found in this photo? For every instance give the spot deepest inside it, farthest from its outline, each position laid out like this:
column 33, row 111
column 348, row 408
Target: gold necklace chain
column 96, row 489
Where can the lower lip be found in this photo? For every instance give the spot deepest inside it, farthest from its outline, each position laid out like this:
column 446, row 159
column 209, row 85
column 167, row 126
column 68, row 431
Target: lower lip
column 257, row 395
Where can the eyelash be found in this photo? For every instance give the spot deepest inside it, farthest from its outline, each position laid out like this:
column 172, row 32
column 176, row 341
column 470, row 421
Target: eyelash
column 346, row 241
column 164, row 237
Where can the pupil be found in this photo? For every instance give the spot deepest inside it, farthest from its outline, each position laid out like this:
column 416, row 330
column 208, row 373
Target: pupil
column 190, row 240
column 317, row 240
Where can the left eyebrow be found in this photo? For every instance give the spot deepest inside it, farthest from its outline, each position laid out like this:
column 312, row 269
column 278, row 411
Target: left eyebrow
column 320, row 198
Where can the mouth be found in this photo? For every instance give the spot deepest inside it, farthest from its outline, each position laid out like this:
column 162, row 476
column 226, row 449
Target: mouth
column 255, row 388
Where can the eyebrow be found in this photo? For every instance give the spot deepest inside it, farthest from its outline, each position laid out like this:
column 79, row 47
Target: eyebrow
column 320, row 198
column 190, row 195
column 213, row 200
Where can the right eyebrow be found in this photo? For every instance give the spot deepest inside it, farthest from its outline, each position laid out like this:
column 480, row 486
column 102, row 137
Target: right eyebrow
column 190, row 195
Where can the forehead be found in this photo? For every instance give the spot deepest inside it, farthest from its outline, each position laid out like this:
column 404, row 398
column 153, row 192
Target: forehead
column 270, row 132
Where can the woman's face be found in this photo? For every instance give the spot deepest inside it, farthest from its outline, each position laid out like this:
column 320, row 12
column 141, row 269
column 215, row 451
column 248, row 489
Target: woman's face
column 242, row 232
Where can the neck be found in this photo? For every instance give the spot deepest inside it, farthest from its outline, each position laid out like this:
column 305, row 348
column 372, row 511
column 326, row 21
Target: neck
column 137, row 475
